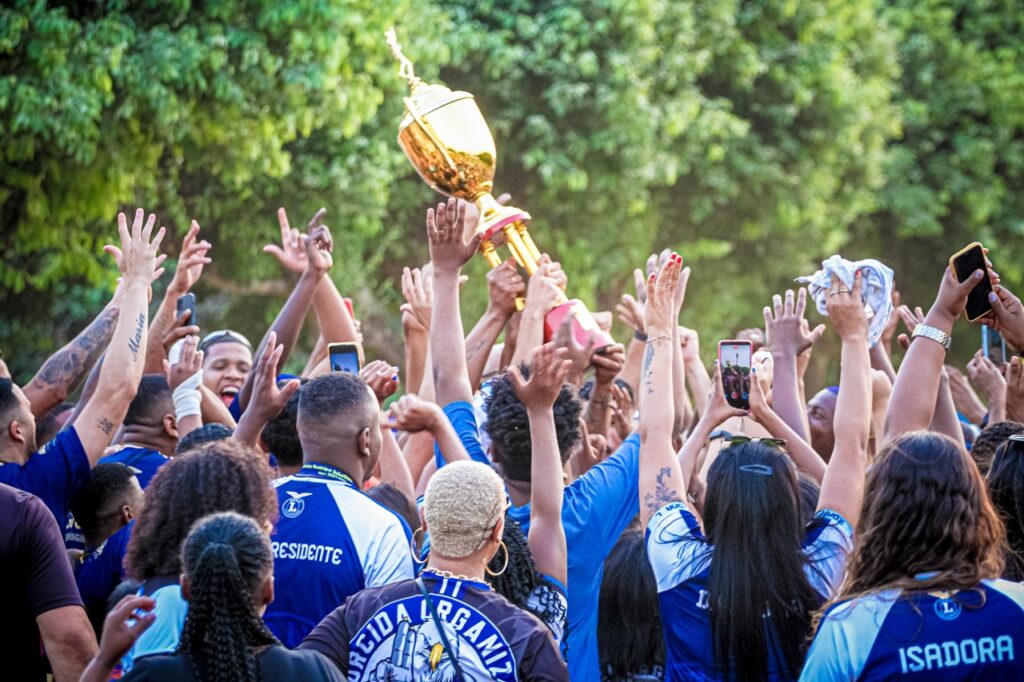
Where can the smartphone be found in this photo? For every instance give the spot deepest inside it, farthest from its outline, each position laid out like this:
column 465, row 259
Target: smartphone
column 993, row 346
column 734, row 359
column 964, row 263
column 345, row 357
column 188, row 302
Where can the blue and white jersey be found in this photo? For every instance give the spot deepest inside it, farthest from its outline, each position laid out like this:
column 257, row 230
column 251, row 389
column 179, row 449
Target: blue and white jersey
column 681, row 557
column 967, row 635
column 53, row 474
column 331, row 541
column 143, row 462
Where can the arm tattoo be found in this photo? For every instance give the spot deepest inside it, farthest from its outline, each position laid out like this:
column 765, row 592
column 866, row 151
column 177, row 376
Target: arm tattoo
column 664, row 493
column 135, row 342
column 645, row 370
column 106, row 426
column 66, row 367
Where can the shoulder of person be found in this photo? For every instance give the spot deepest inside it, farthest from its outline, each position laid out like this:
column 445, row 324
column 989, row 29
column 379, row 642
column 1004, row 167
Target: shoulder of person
column 168, row 667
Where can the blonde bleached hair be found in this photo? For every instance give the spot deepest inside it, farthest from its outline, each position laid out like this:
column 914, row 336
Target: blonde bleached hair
column 463, row 503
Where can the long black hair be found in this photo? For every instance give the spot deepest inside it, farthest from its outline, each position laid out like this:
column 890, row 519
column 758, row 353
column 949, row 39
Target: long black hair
column 752, row 517
column 227, row 559
column 629, row 635
column 1006, row 487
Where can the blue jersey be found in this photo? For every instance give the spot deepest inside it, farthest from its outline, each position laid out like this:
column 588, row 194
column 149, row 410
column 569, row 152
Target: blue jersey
column 681, row 558
column 331, row 541
column 99, row 571
column 54, row 474
column 142, row 461
column 967, row 635
column 596, row 508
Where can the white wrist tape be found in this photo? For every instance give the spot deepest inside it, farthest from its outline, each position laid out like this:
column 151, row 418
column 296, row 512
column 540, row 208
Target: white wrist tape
column 174, row 354
column 187, row 397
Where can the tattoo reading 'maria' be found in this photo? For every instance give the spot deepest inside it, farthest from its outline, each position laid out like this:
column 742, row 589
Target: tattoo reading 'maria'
column 135, row 342
column 664, row 493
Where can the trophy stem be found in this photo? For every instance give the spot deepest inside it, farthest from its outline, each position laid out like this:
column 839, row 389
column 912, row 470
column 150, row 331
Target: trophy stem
column 490, row 254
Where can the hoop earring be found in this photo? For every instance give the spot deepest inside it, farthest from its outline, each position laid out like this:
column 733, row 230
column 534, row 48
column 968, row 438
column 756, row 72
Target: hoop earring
column 495, row 574
column 413, row 544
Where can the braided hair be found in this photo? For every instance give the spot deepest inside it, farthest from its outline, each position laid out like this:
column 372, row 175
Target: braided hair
column 227, row 558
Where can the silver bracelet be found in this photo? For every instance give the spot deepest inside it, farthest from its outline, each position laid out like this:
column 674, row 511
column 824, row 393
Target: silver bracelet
column 937, row 335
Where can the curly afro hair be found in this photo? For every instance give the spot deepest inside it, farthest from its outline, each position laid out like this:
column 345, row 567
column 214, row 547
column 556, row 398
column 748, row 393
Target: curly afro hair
column 219, row 476
column 988, row 441
column 509, row 427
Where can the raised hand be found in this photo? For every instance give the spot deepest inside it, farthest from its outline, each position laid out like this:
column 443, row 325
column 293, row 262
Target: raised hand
column 319, row 245
column 846, row 309
column 413, row 414
column 1015, row 389
column 631, row 312
column 139, row 256
column 718, row 409
column 292, row 253
column 267, row 399
column 549, row 369
column 545, row 288
column 786, row 331
column 191, row 259
column 661, row 314
column 418, row 290
column 608, row 363
column 952, row 296
column 123, row 626
column 445, row 226
column 580, row 355
column 1008, row 317
column 189, row 363
column 382, row 378
column 889, row 331
column 504, row 286
column 986, row 375
column 622, row 411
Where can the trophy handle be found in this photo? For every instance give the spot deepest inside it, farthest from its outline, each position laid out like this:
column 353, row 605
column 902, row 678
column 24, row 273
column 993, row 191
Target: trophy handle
column 429, row 130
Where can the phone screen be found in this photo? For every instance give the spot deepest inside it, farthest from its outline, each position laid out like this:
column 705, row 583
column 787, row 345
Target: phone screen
column 993, row 346
column 734, row 358
column 965, row 264
column 188, row 302
column 345, row 360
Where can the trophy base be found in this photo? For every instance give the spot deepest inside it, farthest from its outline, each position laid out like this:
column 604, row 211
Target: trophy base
column 583, row 324
column 494, row 218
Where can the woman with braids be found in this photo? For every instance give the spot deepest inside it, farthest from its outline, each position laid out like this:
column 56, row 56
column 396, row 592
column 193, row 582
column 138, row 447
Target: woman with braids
column 214, row 477
column 922, row 596
column 448, row 624
column 738, row 587
column 228, row 581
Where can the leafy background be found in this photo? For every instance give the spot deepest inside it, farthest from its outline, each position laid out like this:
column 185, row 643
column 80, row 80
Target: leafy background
column 755, row 137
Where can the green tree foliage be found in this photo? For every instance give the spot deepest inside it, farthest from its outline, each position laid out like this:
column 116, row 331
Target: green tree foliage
column 754, row 137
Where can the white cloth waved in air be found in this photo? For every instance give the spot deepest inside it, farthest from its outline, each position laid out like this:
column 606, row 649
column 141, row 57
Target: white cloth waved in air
column 876, row 289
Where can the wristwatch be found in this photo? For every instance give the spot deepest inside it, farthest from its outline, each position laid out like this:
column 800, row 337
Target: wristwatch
column 937, row 335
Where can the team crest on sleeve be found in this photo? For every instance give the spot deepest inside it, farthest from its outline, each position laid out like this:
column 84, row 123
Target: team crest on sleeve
column 401, row 643
column 294, row 505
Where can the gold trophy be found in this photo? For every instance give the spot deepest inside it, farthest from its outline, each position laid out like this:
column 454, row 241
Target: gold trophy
column 447, row 140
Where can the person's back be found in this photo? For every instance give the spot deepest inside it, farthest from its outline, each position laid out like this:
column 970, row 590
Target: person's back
column 41, row 592
column 331, row 540
column 388, row 633
column 964, row 635
column 276, row 664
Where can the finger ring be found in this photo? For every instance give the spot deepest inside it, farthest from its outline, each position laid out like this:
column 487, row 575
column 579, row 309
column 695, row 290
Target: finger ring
column 842, row 291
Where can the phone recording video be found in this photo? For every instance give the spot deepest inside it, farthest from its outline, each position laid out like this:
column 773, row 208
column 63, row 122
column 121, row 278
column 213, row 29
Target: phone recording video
column 964, row 263
column 993, row 346
column 344, row 357
column 188, row 302
column 734, row 359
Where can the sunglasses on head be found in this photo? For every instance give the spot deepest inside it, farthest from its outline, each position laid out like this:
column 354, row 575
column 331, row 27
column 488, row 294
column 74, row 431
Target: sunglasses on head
column 777, row 443
column 223, row 336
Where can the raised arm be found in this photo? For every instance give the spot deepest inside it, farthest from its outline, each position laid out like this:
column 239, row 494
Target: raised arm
column 549, row 368
column 412, row 414
column 448, row 253
column 185, row 376
column 504, row 285
column 842, row 489
column 122, row 367
column 716, row 411
column 661, row 477
column 598, row 412
column 288, row 324
column 191, row 259
column 267, row 399
column 543, row 292
column 986, row 375
column 787, row 335
column 418, row 290
column 63, row 371
column 917, row 382
column 800, row 451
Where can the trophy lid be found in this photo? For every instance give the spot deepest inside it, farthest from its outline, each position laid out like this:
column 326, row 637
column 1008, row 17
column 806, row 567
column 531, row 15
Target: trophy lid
column 428, row 97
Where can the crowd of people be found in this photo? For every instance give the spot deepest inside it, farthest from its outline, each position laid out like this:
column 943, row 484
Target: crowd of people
column 507, row 506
